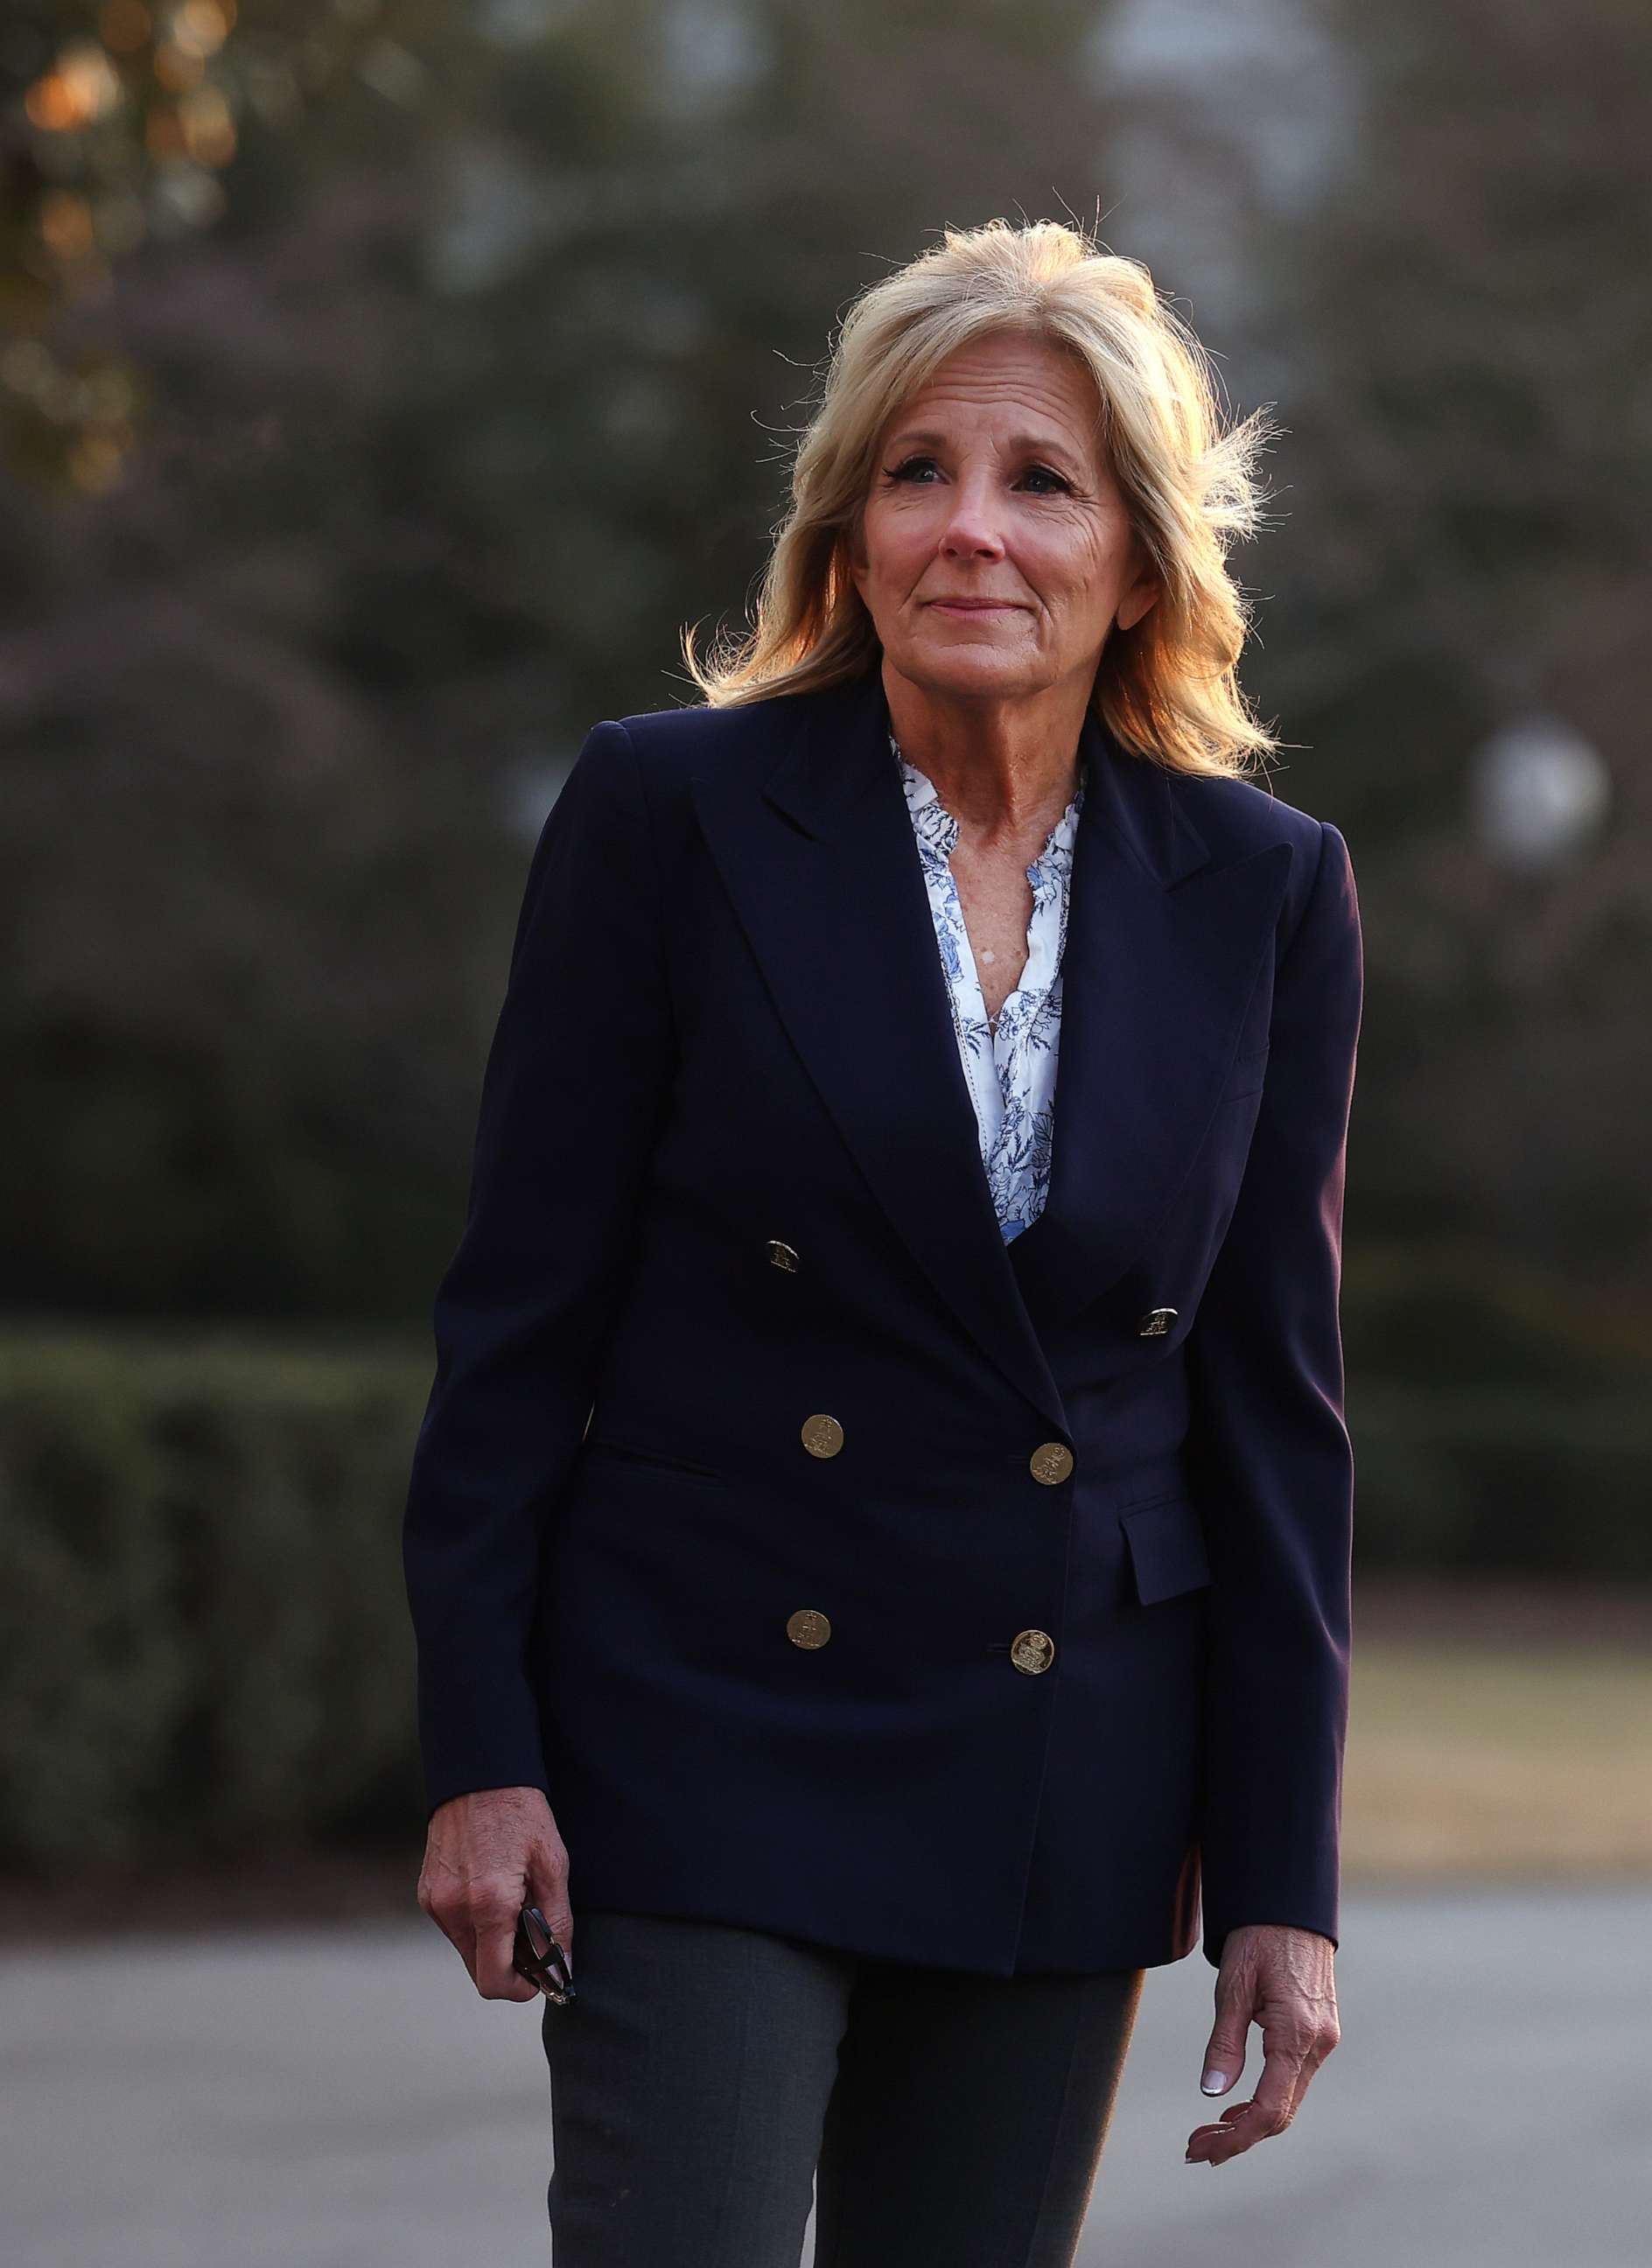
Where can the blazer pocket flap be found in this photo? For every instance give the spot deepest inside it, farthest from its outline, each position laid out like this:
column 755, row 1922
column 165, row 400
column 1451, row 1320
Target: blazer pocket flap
column 1166, row 1549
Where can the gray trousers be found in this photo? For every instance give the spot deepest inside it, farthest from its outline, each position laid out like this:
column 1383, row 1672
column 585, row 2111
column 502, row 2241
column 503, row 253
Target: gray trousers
column 705, row 2075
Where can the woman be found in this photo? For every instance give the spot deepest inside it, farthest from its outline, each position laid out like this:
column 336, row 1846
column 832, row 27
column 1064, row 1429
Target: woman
column 879, row 1540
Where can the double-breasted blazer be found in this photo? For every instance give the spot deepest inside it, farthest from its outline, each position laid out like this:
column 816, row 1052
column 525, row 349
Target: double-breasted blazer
column 835, row 1568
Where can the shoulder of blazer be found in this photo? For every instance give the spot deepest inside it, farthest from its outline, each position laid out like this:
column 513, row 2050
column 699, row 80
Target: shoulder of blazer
column 1238, row 817
column 736, row 746
column 683, row 742
column 672, row 747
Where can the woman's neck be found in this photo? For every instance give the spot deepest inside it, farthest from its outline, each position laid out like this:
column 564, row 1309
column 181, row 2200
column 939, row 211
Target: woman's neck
column 1005, row 769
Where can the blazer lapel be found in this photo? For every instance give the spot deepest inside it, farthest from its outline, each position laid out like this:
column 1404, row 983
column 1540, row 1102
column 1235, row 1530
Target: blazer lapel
column 1163, row 950
column 816, row 853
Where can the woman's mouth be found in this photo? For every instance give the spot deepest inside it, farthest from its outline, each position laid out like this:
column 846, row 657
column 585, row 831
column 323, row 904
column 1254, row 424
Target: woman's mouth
column 976, row 606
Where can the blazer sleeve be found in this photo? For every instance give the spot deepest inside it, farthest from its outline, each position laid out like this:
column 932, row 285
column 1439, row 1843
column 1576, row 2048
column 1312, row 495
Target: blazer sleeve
column 571, row 1096
column 1265, row 1359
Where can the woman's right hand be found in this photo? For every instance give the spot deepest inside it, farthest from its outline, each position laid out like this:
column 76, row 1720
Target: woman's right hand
column 487, row 1856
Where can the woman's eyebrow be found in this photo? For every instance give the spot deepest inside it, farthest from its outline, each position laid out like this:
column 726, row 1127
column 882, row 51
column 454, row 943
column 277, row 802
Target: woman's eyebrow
column 1035, row 445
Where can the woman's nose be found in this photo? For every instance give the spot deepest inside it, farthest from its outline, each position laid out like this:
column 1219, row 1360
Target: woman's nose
column 971, row 531
column 972, row 536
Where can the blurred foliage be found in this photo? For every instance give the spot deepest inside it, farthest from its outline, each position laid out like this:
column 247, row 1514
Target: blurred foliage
column 122, row 119
column 384, row 382
column 1473, row 481
column 203, row 1641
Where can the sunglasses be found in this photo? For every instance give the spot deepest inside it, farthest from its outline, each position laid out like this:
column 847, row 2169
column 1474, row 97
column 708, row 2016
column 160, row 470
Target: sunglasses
column 538, row 1957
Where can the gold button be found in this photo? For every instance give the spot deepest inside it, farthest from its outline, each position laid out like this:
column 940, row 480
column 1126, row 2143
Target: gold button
column 1050, row 1463
column 822, row 1436
column 1033, row 1651
column 807, row 1628
column 1155, row 1322
column 781, row 1255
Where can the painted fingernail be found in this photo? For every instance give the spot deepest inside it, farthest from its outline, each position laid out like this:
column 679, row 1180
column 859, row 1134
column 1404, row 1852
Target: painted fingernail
column 1212, row 2082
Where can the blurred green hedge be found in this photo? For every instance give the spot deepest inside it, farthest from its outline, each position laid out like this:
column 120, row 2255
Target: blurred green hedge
column 1504, row 1480
column 203, row 1636
column 203, row 1641
column 1501, row 1418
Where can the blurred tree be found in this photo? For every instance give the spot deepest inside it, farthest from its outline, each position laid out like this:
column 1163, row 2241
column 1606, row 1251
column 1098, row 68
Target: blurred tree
column 1471, row 472
column 120, row 121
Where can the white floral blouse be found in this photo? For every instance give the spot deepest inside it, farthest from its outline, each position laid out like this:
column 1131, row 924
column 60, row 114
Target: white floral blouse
column 1010, row 1066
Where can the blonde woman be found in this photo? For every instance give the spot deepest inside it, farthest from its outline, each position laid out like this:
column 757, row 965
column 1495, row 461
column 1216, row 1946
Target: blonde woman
column 879, row 1540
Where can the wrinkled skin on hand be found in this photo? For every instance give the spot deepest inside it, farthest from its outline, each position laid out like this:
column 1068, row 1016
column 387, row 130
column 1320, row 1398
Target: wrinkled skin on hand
column 487, row 1856
column 1282, row 1980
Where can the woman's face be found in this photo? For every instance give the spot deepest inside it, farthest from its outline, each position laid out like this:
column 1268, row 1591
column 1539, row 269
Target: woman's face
column 995, row 552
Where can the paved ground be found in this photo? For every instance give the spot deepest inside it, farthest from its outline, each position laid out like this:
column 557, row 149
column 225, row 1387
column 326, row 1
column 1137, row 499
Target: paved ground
column 341, row 2100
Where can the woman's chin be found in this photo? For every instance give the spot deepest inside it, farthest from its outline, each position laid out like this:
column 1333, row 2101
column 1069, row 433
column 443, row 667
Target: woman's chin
column 979, row 669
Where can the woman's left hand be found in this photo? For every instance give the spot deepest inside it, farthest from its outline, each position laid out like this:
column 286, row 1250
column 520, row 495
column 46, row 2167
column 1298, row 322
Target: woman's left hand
column 1283, row 1980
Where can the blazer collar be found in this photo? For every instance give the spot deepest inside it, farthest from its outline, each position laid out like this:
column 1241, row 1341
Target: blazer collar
column 835, row 759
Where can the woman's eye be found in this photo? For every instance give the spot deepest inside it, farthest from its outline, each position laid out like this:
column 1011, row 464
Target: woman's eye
column 913, row 471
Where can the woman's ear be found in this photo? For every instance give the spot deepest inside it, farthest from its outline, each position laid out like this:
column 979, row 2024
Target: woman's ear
column 1143, row 589
column 1135, row 603
column 851, row 555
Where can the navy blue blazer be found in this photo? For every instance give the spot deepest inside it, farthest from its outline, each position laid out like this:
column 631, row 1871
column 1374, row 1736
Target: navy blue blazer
column 726, row 1028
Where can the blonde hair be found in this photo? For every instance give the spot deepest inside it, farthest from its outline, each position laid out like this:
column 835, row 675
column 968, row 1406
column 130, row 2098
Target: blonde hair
column 1167, row 687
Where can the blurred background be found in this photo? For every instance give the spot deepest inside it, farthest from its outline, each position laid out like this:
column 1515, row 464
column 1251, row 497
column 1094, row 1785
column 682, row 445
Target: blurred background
column 383, row 384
